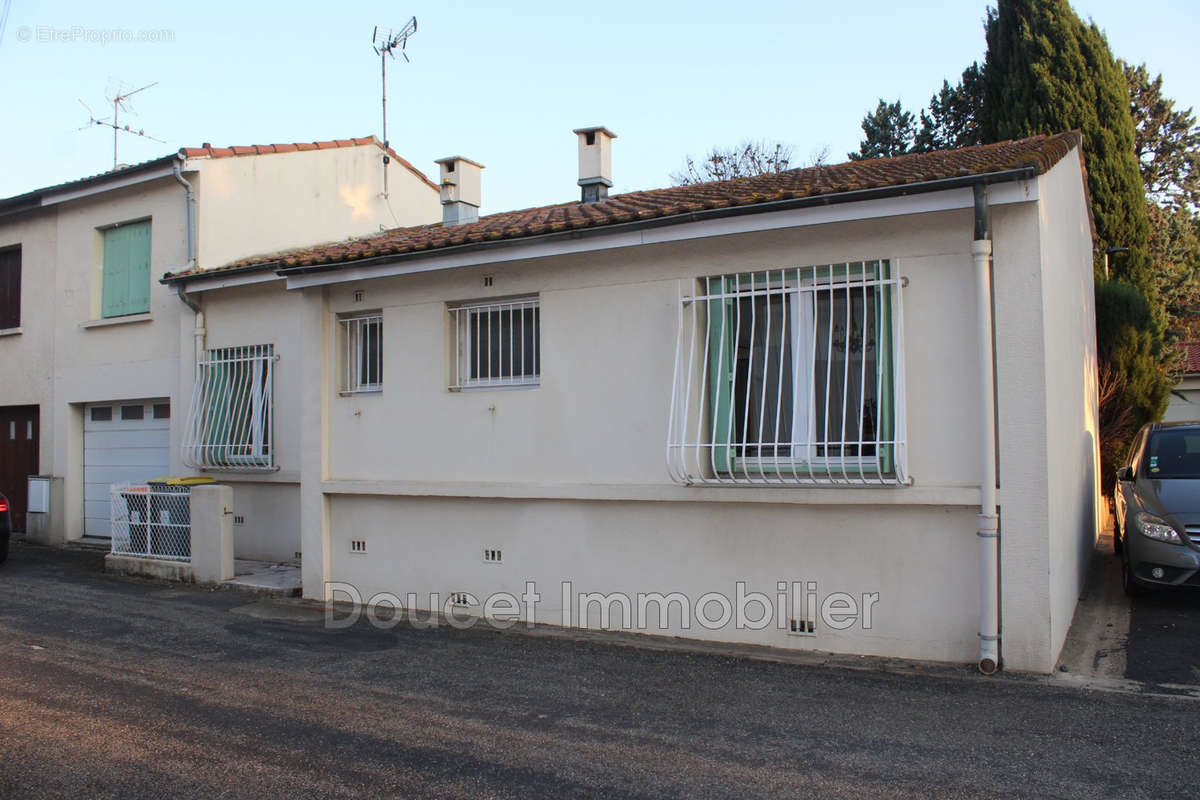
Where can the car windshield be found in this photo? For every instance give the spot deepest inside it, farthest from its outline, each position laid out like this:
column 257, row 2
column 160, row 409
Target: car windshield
column 1173, row 454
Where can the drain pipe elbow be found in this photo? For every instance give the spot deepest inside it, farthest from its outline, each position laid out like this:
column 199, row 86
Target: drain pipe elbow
column 988, row 531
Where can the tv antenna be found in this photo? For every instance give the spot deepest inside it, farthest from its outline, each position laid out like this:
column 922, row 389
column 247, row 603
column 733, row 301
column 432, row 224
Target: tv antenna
column 120, row 102
column 387, row 43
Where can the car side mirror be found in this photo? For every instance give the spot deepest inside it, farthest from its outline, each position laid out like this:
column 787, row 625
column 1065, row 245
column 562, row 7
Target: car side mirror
column 1125, row 474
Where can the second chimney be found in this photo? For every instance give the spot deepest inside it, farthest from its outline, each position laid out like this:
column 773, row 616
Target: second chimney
column 595, row 162
column 461, row 190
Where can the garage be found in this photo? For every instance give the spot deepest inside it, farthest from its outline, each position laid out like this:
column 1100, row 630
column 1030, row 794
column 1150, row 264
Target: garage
column 123, row 442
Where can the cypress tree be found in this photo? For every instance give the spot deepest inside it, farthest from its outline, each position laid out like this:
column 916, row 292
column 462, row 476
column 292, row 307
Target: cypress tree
column 1047, row 71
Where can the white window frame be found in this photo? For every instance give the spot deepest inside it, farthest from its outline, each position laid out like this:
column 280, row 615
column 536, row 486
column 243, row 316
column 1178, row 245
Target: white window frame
column 231, row 418
column 703, row 445
column 360, row 373
column 470, row 350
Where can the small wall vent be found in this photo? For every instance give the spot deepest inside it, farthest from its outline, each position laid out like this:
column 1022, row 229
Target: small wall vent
column 493, row 556
column 358, row 545
column 238, row 519
column 802, row 627
column 460, row 599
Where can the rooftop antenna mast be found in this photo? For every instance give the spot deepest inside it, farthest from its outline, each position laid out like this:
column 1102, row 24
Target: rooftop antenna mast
column 120, row 101
column 387, row 43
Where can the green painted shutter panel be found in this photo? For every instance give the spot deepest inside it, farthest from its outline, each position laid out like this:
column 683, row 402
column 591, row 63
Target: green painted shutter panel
column 126, row 280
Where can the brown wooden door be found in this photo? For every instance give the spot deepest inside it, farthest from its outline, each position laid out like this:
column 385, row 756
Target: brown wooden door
column 18, row 457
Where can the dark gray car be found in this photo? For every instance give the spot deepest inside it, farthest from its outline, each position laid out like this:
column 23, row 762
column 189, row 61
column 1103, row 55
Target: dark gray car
column 1158, row 508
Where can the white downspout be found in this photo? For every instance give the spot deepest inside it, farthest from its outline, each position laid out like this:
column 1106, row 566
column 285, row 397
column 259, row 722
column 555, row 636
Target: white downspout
column 988, row 531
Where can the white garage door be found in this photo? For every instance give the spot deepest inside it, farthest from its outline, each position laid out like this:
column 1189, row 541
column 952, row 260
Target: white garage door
column 123, row 441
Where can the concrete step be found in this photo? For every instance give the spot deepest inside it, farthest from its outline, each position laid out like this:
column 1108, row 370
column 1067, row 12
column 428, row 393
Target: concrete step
column 265, row 579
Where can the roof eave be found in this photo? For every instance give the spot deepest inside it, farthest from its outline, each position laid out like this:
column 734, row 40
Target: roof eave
column 1020, row 173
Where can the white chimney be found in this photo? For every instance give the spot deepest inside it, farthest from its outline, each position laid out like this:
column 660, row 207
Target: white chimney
column 462, row 190
column 595, row 162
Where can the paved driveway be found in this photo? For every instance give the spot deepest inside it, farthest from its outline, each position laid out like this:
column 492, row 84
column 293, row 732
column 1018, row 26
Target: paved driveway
column 116, row 688
column 1153, row 639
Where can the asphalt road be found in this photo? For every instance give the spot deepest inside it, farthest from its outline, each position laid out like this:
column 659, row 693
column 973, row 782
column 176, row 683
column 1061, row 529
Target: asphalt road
column 1164, row 638
column 116, row 688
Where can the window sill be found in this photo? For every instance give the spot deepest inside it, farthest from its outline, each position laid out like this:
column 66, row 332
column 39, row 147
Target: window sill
column 108, row 321
column 11, row 331
column 361, row 393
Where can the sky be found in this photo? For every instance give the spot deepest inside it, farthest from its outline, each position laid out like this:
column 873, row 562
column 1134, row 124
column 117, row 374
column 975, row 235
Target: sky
column 504, row 84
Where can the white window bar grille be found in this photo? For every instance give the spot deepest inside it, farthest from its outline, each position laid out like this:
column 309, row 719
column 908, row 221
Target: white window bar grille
column 151, row 521
column 230, row 421
column 496, row 344
column 362, row 337
column 790, row 377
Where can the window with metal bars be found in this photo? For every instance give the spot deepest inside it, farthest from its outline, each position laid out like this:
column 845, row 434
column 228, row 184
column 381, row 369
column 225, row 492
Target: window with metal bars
column 496, row 344
column 790, row 376
column 230, row 419
column 362, row 353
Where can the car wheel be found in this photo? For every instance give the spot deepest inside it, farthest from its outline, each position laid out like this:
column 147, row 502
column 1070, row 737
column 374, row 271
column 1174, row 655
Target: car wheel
column 1129, row 582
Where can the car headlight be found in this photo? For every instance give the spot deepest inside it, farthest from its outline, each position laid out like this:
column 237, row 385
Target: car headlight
column 1157, row 528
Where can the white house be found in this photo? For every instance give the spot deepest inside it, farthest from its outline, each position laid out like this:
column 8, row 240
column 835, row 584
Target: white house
column 94, row 347
column 866, row 392
column 1184, row 403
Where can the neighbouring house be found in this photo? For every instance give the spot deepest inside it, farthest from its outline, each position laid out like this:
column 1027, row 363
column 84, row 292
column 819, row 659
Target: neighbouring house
column 866, row 392
column 1184, row 402
column 94, row 347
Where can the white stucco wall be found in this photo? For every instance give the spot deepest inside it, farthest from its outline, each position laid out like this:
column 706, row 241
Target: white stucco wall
column 28, row 356
column 1072, row 418
column 1184, row 403
column 248, row 205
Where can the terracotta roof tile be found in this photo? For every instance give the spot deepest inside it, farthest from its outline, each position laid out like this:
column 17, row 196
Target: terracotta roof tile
column 1191, row 357
column 1038, row 153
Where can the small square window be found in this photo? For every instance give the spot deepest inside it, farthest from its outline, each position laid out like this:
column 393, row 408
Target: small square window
column 162, row 410
column 496, row 344
column 133, row 412
column 101, row 413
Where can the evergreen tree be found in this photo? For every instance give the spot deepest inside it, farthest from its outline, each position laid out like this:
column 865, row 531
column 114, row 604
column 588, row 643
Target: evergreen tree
column 1166, row 142
column 952, row 119
column 1047, row 71
column 889, row 130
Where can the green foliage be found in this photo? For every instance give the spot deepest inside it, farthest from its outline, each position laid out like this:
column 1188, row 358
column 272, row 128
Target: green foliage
column 1166, row 142
column 952, row 119
column 1175, row 252
column 1047, row 71
column 1134, row 385
column 889, row 130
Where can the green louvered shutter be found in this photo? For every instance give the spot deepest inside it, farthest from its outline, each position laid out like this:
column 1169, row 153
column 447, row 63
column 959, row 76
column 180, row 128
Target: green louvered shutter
column 126, row 284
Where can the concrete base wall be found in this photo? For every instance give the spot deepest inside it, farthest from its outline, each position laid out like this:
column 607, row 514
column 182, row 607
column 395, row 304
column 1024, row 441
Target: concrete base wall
column 918, row 560
column 149, row 568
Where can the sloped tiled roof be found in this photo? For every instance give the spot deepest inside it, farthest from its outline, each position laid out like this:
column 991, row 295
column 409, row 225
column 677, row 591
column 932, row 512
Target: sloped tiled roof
column 33, row 198
column 208, row 151
column 1037, row 153
column 1191, row 357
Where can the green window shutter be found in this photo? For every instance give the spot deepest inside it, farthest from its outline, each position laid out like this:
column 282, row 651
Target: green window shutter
column 721, row 353
column 126, row 276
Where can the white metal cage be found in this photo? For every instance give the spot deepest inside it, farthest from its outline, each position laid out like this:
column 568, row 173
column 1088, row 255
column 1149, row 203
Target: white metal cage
column 151, row 521
column 230, row 420
column 496, row 344
column 790, row 377
column 362, row 361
